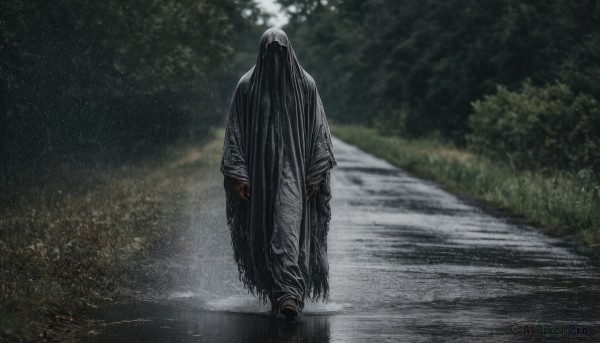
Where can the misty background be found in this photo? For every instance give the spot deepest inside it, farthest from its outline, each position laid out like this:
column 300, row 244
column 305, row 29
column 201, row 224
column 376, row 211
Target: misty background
column 516, row 80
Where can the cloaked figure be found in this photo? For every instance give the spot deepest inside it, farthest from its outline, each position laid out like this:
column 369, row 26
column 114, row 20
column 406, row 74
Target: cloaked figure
column 277, row 156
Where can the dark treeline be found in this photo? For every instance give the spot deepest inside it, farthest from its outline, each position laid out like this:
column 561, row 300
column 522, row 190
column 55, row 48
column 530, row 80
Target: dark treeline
column 109, row 79
column 517, row 80
column 417, row 68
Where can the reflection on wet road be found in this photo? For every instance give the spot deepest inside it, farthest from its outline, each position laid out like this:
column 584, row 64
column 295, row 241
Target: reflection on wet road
column 408, row 262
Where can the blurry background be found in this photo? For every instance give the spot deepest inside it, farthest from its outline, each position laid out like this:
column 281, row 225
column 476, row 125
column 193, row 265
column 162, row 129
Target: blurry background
column 415, row 68
column 88, row 81
column 115, row 79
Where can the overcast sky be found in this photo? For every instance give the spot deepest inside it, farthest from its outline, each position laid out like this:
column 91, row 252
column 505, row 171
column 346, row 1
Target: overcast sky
column 280, row 18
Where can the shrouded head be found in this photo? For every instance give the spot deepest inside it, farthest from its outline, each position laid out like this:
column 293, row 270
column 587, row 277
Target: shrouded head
column 276, row 58
column 273, row 35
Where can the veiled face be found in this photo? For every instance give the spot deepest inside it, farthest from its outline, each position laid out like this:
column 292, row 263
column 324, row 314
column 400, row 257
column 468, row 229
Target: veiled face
column 276, row 56
column 277, row 71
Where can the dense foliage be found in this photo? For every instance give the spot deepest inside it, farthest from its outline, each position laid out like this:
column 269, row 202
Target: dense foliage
column 414, row 67
column 120, row 77
column 546, row 127
column 98, row 78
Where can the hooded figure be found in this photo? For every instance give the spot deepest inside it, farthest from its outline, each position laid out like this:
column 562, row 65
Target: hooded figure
column 276, row 160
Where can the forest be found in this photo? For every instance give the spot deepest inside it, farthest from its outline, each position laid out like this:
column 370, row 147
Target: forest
column 83, row 81
column 511, row 79
column 514, row 80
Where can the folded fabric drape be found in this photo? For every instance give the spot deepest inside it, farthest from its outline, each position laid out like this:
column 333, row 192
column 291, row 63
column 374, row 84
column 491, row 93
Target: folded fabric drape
column 277, row 139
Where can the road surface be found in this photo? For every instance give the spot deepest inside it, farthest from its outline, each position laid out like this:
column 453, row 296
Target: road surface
column 409, row 261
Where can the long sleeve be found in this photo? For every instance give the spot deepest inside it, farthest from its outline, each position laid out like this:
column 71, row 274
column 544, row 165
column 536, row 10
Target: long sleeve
column 233, row 162
column 321, row 158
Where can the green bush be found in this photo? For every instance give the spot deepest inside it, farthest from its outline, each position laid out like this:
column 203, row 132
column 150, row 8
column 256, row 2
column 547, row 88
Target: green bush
column 541, row 128
column 392, row 123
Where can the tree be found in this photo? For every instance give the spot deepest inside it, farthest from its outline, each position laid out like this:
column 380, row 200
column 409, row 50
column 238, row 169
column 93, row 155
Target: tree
column 421, row 63
column 113, row 76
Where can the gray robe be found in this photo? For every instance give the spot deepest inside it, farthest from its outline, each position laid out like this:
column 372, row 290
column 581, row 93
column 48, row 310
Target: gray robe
column 277, row 139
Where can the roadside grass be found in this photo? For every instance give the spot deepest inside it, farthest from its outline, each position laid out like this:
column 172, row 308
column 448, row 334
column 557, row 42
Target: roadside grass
column 79, row 239
column 563, row 203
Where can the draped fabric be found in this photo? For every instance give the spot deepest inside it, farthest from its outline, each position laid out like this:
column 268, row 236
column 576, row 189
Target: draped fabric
column 277, row 139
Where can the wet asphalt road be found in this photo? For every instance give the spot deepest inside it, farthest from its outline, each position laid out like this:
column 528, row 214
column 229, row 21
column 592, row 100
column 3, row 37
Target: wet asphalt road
column 408, row 262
